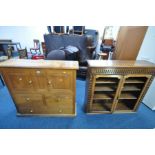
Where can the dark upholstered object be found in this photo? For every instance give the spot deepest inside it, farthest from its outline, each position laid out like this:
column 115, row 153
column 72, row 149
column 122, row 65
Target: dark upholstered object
column 53, row 42
column 82, row 42
column 56, row 55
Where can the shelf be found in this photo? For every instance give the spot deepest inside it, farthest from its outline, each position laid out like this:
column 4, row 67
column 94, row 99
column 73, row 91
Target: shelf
column 103, row 96
column 104, row 88
column 125, row 105
column 127, row 96
column 134, row 81
column 131, row 88
column 105, row 81
column 101, row 107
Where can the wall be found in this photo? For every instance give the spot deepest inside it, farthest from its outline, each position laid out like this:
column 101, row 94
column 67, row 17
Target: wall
column 26, row 34
column 147, row 52
column 23, row 34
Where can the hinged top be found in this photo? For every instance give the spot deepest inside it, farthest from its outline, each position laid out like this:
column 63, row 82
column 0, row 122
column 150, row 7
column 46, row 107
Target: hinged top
column 26, row 63
column 120, row 63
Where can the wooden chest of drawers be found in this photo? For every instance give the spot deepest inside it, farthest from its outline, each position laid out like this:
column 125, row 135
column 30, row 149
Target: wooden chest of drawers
column 117, row 86
column 41, row 87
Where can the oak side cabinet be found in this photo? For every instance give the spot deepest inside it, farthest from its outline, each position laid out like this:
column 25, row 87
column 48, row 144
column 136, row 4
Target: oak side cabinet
column 117, row 86
column 41, row 87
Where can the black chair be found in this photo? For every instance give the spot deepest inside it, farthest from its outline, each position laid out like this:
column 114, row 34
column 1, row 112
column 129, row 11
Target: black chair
column 58, row 29
column 78, row 30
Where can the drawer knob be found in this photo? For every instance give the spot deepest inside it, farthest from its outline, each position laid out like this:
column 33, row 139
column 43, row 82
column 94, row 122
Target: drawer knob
column 31, row 111
column 30, row 82
column 27, row 99
column 38, row 72
column 49, row 82
column 60, row 80
column 20, row 79
column 64, row 72
column 58, row 99
column 60, row 111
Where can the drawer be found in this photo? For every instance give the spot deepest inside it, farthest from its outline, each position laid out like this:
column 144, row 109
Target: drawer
column 28, row 99
column 60, row 110
column 25, row 109
column 60, row 79
column 19, row 80
column 28, row 109
column 38, row 72
column 59, row 100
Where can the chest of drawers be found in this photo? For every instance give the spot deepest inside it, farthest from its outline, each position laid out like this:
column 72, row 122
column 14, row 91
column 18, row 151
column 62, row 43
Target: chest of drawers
column 41, row 87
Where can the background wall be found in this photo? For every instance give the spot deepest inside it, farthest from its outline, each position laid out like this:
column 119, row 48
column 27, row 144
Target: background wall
column 147, row 52
column 26, row 34
column 23, row 34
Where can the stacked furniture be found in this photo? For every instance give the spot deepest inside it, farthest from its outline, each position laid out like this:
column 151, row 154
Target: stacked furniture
column 117, row 86
column 42, row 87
column 85, row 45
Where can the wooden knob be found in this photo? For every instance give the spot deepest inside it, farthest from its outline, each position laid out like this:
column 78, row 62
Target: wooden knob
column 30, row 82
column 64, row 72
column 38, row 72
column 27, row 99
column 49, row 82
column 60, row 111
column 20, row 79
column 58, row 99
column 31, row 111
column 60, row 80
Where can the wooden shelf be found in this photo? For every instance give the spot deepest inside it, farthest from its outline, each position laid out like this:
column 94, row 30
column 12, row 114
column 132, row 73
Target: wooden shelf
column 105, row 81
column 131, row 88
column 101, row 107
column 134, row 81
column 104, row 88
column 103, row 96
column 123, row 106
column 127, row 96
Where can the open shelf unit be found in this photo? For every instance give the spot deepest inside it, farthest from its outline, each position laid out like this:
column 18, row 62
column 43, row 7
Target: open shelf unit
column 104, row 93
column 117, row 86
column 130, row 93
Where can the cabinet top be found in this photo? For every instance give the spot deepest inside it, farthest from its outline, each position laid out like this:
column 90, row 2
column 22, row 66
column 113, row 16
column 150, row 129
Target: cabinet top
column 26, row 63
column 120, row 63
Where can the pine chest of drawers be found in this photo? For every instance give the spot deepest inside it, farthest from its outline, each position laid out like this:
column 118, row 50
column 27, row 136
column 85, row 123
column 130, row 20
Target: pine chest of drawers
column 41, row 87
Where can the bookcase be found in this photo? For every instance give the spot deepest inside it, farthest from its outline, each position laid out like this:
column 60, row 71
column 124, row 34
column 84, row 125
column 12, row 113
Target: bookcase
column 117, row 86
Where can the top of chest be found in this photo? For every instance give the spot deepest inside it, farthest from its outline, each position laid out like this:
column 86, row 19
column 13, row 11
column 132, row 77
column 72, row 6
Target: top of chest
column 26, row 63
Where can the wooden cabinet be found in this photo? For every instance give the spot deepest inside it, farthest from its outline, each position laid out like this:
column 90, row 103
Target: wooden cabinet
column 41, row 87
column 117, row 86
column 128, row 43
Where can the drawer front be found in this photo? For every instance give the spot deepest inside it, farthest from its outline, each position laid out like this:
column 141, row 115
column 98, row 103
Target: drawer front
column 24, row 109
column 54, row 104
column 60, row 79
column 28, row 99
column 19, row 80
column 60, row 110
column 29, row 103
column 59, row 100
